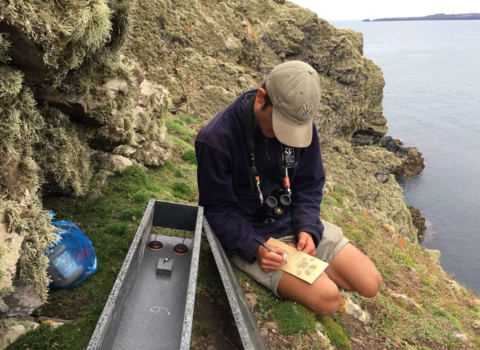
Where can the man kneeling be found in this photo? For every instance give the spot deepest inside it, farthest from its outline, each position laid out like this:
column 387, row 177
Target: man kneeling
column 260, row 175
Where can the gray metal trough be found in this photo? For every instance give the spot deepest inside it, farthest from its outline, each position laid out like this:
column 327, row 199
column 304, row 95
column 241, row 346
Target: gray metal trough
column 150, row 311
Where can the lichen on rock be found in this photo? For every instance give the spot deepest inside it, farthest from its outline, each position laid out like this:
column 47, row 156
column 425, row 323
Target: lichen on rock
column 353, row 169
column 53, row 117
column 4, row 46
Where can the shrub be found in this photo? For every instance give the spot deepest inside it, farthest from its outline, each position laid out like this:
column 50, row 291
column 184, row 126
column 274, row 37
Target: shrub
column 189, row 155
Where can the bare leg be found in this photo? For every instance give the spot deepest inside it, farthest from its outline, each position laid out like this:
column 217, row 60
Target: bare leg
column 352, row 270
column 322, row 296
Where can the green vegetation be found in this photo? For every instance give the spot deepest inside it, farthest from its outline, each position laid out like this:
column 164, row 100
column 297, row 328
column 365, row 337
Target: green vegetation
column 336, row 334
column 208, row 276
column 189, row 155
column 178, row 127
column 441, row 312
column 294, row 318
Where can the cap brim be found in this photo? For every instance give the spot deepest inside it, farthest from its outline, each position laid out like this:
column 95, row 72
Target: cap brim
column 289, row 133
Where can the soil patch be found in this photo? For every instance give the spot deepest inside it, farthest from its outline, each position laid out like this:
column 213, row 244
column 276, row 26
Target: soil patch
column 214, row 327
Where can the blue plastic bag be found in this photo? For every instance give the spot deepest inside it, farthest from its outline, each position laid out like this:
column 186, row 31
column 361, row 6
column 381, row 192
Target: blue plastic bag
column 72, row 259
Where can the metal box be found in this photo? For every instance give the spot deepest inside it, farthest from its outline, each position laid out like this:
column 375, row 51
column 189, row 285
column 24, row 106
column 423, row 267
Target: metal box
column 151, row 311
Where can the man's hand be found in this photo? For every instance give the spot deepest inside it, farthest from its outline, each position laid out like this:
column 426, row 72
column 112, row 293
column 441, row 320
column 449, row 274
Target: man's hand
column 305, row 243
column 269, row 261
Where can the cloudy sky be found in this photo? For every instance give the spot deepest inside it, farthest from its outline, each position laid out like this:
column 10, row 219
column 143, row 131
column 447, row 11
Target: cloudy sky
column 361, row 9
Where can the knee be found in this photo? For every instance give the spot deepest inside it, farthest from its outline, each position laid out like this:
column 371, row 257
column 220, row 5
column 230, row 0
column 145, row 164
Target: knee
column 327, row 302
column 373, row 285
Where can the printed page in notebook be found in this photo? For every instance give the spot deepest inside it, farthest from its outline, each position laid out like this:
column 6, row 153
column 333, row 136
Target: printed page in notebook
column 300, row 264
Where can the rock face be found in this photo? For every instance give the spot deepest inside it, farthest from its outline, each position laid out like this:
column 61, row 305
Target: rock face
column 412, row 160
column 66, row 94
column 418, row 221
column 364, row 175
column 229, row 47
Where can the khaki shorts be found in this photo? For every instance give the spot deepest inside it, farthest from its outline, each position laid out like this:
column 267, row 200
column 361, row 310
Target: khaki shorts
column 332, row 242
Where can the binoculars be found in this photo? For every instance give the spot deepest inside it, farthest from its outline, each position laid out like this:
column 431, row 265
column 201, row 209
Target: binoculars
column 273, row 207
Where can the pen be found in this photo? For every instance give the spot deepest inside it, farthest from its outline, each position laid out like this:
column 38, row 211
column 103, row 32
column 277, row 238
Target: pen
column 264, row 245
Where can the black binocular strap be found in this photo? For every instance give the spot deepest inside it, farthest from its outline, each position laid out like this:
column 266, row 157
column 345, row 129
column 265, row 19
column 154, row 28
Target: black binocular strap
column 249, row 125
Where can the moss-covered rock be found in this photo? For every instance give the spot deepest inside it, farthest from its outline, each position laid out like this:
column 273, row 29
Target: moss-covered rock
column 353, row 169
column 207, row 53
column 64, row 89
column 4, row 46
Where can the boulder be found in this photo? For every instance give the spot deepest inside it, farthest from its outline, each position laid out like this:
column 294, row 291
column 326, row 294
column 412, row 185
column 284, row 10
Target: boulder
column 120, row 163
column 10, row 334
column 412, row 164
column 412, row 160
column 356, row 311
column 418, row 221
column 382, row 175
column 23, row 301
column 149, row 153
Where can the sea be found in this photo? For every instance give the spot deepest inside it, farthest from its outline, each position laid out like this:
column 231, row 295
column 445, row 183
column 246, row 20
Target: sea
column 432, row 101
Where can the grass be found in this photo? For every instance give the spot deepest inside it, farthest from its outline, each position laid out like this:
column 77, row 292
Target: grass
column 336, row 333
column 294, row 318
column 406, row 269
column 189, row 155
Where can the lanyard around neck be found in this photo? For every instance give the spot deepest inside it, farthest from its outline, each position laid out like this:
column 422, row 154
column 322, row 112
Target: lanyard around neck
column 249, row 125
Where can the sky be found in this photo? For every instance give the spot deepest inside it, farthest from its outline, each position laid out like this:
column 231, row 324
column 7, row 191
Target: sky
column 371, row 9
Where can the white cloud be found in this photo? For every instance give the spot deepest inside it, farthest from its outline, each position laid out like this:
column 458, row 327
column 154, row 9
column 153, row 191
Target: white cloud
column 355, row 9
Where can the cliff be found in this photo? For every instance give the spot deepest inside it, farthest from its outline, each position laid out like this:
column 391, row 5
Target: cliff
column 83, row 97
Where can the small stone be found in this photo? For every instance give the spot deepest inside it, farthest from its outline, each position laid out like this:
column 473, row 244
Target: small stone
column 49, row 320
column 221, row 302
column 273, row 331
column 476, row 324
column 353, row 309
column 263, row 332
column 369, row 330
column 271, row 325
column 406, row 298
column 461, row 336
column 94, row 195
column 11, row 334
column 357, row 341
column 252, row 300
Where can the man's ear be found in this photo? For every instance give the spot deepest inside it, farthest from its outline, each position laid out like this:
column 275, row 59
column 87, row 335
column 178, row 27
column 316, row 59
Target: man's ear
column 260, row 99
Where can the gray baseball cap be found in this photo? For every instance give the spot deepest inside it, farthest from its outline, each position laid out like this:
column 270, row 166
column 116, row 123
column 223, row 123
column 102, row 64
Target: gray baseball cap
column 294, row 89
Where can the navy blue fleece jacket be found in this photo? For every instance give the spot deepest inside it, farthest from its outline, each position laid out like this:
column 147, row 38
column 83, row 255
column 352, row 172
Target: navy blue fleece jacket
column 225, row 188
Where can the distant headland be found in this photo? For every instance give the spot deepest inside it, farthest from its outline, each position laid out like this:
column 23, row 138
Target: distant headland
column 436, row 17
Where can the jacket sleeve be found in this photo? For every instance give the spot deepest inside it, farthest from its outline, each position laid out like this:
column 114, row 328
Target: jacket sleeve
column 217, row 197
column 307, row 191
